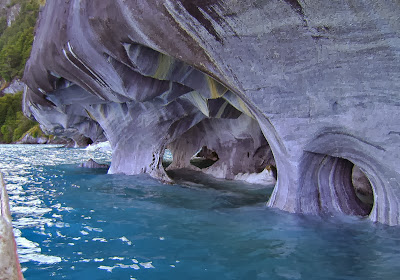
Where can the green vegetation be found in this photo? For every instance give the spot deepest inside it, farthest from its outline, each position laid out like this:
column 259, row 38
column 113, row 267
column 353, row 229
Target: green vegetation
column 16, row 40
column 15, row 47
column 13, row 124
column 36, row 132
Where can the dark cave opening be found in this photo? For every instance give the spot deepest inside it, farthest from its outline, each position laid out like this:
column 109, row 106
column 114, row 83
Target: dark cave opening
column 234, row 149
column 362, row 187
column 338, row 185
column 353, row 190
column 204, row 158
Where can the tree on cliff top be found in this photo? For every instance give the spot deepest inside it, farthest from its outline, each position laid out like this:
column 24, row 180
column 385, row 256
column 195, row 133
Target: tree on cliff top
column 13, row 124
column 15, row 47
column 16, row 40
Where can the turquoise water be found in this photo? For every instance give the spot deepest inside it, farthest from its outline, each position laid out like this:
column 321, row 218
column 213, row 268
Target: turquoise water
column 73, row 223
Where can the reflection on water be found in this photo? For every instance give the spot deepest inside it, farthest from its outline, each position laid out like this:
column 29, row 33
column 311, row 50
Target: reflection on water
column 23, row 167
column 74, row 223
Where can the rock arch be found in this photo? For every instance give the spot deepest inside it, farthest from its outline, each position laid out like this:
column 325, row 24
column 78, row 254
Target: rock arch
column 319, row 81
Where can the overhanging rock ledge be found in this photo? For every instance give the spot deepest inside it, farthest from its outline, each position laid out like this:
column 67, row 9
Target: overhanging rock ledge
column 311, row 87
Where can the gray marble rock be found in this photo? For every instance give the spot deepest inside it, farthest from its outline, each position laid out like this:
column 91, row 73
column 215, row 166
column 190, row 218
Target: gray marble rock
column 309, row 87
column 92, row 164
column 30, row 139
column 15, row 86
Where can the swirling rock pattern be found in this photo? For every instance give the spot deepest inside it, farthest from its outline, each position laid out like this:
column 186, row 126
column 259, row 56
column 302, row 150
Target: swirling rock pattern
column 315, row 83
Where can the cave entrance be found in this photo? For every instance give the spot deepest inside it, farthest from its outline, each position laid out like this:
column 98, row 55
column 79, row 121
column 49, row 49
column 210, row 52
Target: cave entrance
column 334, row 184
column 204, row 158
column 201, row 112
column 233, row 148
column 167, row 158
column 362, row 187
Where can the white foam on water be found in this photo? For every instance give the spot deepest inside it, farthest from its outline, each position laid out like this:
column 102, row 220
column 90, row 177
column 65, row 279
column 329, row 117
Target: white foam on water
column 108, row 268
column 59, row 234
column 40, row 258
column 265, row 177
column 147, row 265
column 101, row 147
column 93, row 229
column 100, row 239
column 135, row 266
column 124, row 239
column 116, row 258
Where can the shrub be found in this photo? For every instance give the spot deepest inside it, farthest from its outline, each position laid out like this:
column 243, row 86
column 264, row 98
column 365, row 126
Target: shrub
column 13, row 124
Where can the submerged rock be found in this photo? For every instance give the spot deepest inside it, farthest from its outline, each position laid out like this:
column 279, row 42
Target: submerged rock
column 311, row 87
column 92, row 164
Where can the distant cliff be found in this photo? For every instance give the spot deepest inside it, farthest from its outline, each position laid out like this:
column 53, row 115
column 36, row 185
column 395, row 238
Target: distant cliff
column 17, row 22
column 308, row 87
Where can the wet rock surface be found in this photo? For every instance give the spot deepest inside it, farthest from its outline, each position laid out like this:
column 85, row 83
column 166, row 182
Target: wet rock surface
column 311, row 87
column 92, row 164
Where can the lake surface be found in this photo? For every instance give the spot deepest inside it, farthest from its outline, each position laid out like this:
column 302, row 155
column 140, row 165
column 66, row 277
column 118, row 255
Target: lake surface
column 74, row 223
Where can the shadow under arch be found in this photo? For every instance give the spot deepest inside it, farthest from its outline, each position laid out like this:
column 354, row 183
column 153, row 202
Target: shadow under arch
column 327, row 168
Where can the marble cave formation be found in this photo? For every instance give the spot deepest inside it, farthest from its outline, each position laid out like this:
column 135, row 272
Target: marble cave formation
column 310, row 89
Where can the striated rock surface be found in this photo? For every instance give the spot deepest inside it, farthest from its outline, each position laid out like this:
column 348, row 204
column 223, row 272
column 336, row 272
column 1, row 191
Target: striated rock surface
column 92, row 164
column 311, row 87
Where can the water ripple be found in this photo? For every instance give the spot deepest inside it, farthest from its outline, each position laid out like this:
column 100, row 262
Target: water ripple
column 83, row 224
